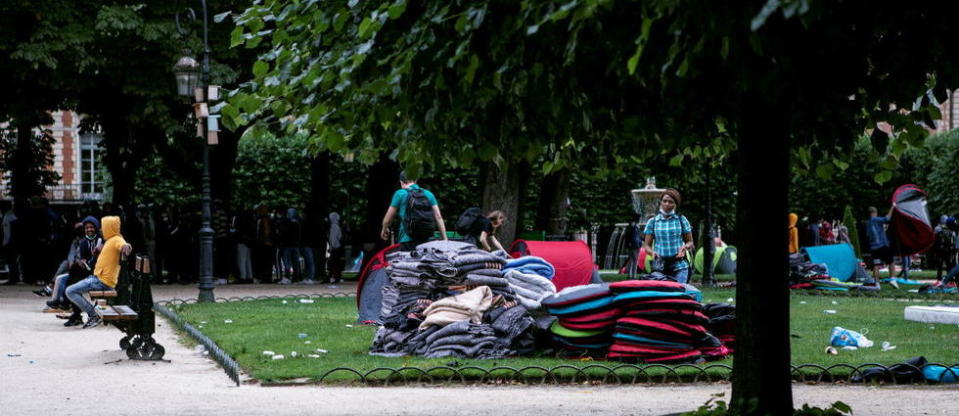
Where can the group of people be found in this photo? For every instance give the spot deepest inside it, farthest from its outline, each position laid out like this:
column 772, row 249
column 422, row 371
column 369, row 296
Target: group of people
column 881, row 249
column 420, row 217
column 93, row 263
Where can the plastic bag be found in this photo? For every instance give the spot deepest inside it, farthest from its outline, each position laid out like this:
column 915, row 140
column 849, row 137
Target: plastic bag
column 841, row 337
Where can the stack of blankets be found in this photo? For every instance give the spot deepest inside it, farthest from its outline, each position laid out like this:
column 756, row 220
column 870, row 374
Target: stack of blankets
column 451, row 299
column 644, row 320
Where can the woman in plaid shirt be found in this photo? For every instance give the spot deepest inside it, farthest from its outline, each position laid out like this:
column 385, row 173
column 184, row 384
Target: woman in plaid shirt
column 668, row 237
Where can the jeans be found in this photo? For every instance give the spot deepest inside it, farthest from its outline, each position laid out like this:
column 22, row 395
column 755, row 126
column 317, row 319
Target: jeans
column 310, row 271
column 244, row 262
column 291, row 261
column 951, row 276
column 60, row 286
column 671, row 266
column 76, row 291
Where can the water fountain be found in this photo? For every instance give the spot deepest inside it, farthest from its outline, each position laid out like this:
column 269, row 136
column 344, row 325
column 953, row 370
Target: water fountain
column 646, row 205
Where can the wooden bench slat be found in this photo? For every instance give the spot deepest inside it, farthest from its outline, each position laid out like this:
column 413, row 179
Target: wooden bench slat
column 125, row 311
column 52, row 310
column 103, row 293
column 108, row 313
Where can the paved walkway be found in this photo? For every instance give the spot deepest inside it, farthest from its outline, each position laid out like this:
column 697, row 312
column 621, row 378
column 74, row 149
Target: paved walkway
column 46, row 369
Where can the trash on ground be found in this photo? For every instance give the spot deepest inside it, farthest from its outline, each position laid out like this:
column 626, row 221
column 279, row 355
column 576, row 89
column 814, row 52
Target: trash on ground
column 268, row 352
column 850, row 348
column 293, row 354
column 802, row 302
column 886, row 346
column 349, row 326
column 228, row 321
column 829, row 311
column 831, row 350
column 835, row 303
column 278, row 357
column 321, row 351
column 12, row 355
column 308, row 342
column 841, row 337
column 284, row 302
column 313, row 356
column 306, row 300
column 301, row 335
column 729, row 300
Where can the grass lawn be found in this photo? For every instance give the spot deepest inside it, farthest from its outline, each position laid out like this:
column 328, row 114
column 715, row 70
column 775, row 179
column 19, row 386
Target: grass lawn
column 329, row 324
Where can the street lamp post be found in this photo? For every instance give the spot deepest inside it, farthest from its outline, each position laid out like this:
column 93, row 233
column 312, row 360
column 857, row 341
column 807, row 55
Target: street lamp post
column 190, row 80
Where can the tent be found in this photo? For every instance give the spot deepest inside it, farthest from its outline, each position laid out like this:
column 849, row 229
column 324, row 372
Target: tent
column 644, row 263
column 840, row 260
column 571, row 259
column 724, row 260
column 369, row 288
column 910, row 226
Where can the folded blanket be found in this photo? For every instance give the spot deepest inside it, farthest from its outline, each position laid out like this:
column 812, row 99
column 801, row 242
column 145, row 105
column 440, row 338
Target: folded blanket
column 512, row 323
column 531, row 264
column 483, row 280
column 466, row 306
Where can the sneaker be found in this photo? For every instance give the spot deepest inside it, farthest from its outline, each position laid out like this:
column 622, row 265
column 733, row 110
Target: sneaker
column 284, row 281
column 74, row 321
column 92, row 322
column 44, row 292
column 894, row 283
column 307, row 282
column 220, row 282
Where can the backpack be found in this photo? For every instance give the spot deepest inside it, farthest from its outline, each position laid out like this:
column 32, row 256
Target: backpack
column 468, row 223
column 420, row 222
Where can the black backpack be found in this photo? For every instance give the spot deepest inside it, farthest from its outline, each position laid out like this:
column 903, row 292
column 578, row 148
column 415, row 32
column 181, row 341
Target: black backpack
column 468, row 223
column 420, row 222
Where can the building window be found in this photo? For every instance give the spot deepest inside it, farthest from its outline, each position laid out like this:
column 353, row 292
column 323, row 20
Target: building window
column 91, row 179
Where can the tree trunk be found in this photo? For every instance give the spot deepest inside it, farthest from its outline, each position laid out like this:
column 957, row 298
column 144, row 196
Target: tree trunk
column 551, row 212
column 382, row 181
column 319, row 208
column 501, row 192
column 20, row 181
column 761, row 365
column 222, row 162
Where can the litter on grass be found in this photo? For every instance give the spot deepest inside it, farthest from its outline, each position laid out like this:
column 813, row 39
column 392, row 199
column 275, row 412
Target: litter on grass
column 306, row 300
column 321, row 351
column 886, row 346
column 278, row 357
column 268, row 352
column 228, row 321
column 829, row 311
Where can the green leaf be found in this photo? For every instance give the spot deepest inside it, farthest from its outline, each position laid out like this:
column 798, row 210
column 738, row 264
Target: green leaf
column 676, row 161
column 842, row 407
column 471, row 69
column 640, row 45
column 236, row 37
column 396, row 10
column 260, row 69
column 825, row 171
column 883, row 177
column 364, row 29
column 217, row 18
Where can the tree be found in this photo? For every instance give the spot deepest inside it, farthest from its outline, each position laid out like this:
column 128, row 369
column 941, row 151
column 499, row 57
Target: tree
column 485, row 81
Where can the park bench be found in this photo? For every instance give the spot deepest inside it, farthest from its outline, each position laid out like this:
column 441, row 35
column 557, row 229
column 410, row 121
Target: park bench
column 129, row 307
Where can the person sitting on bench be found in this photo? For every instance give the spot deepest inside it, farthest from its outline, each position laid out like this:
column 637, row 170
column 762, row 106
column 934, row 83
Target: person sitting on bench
column 77, row 266
column 105, row 274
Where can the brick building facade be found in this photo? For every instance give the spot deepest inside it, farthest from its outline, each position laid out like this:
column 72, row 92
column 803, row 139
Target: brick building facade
column 76, row 159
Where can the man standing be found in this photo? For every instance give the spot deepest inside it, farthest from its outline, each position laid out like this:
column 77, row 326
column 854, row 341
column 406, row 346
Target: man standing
column 419, row 215
column 879, row 245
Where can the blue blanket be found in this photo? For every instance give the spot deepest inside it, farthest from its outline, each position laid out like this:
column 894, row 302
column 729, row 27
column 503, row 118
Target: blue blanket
column 531, row 265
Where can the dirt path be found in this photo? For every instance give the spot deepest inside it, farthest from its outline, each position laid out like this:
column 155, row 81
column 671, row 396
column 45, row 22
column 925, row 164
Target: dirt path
column 68, row 371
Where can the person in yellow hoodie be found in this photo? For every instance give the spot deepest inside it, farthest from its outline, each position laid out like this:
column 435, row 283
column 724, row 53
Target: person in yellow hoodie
column 105, row 273
column 793, row 234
